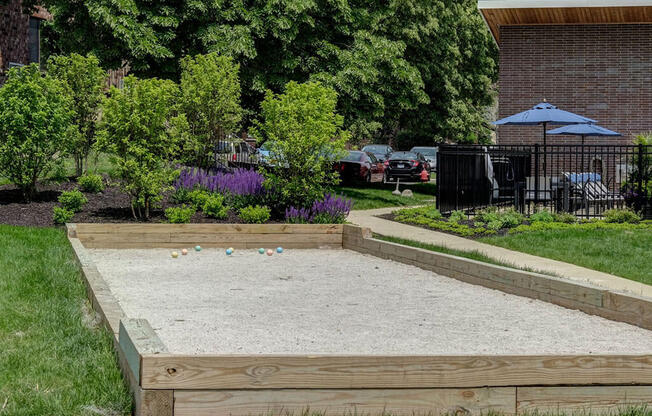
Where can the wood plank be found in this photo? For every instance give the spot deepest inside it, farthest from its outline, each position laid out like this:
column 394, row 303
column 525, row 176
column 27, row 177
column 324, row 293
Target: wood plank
column 166, row 371
column 209, row 228
column 197, row 238
column 137, row 337
column 269, row 244
column 630, row 308
column 597, row 400
column 399, row 402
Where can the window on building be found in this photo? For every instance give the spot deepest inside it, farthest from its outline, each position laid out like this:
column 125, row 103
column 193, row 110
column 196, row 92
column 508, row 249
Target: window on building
column 34, row 40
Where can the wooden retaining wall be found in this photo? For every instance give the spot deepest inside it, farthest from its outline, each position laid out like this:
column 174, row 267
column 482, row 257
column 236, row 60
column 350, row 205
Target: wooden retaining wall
column 182, row 385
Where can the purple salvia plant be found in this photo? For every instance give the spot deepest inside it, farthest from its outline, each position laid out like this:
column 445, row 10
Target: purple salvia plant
column 332, row 209
column 241, row 182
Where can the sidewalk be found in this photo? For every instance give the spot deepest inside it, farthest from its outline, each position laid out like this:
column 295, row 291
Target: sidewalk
column 368, row 218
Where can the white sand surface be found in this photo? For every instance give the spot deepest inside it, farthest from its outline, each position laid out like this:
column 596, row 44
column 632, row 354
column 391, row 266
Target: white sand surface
column 341, row 302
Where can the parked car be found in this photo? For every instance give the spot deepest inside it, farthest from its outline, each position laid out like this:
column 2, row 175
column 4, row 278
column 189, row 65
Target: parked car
column 360, row 166
column 381, row 151
column 405, row 165
column 430, row 153
column 235, row 153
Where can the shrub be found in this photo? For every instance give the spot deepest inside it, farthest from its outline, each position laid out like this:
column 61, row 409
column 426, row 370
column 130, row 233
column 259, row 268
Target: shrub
column 210, row 91
column 621, row 216
column 457, row 216
column 496, row 220
column 214, row 207
column 198, row 197
column 255, row 214
column 304, row 135
column 565, row 217
column 91, row 183
column 35, row 118
column 179, row 215
column 72, row 200
column 331, row 209
column 142, row 127
column 84, row 79
column 542, row 216
column 62, row 215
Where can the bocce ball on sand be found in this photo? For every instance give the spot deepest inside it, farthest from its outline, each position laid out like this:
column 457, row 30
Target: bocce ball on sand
column 184, row 252
column 270, row 252
column 197, row 248
column 279, row 249
column 174, row 254
column 229, row 251
column 261, row 251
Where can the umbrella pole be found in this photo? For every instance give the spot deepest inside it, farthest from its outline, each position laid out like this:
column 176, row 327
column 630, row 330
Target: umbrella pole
column 545, row 156
column 583, row 136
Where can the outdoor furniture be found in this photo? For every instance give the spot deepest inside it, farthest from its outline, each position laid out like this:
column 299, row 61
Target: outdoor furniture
column 543, row 193
column 586, row 190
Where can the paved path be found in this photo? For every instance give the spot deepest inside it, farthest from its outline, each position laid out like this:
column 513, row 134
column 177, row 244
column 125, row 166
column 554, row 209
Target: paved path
column 368, row 218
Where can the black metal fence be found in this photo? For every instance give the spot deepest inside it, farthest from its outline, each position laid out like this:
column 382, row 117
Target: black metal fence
column 584, row 180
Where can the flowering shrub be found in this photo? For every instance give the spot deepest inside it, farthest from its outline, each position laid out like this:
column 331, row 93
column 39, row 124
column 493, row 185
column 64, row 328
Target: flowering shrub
column 240, row 182
column 331, row 209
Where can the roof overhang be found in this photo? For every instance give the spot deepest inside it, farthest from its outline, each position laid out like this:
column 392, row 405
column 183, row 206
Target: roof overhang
column 498, row 13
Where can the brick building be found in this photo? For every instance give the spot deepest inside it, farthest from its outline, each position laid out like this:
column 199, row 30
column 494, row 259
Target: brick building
column 591, row 57
column 19, row 36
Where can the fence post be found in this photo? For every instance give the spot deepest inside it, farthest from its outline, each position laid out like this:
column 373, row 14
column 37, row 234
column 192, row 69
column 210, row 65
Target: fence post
column 536, row 172
column 437, row 182
column 640, row 168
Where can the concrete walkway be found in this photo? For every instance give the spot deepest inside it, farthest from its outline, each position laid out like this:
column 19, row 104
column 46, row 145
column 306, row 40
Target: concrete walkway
column 368, row 218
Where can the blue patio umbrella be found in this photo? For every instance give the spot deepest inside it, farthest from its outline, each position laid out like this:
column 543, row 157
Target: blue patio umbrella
column 543, row 114
column 584, row 130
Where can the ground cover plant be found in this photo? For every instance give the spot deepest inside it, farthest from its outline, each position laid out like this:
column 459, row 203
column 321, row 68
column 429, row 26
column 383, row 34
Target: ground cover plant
column 56, row 359
column 619, row 244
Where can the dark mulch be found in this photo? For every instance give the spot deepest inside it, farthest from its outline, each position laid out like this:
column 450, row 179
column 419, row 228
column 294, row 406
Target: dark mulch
column 109, row 206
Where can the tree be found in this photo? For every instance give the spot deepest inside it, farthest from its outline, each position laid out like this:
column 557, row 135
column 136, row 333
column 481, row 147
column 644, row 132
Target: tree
column 420, row 66
column 304, row 135
column 85, row 81
column 35, row 121
column 142, row 129
column 210, row 91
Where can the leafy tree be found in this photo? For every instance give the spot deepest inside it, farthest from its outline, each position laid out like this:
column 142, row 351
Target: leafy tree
column 142, row 129
column 85, row 80
column 35, row 121
column 304, row 135
column 420, row 66
column 211, row 101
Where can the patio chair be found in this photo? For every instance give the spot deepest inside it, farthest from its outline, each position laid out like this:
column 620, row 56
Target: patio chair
column 587, row 189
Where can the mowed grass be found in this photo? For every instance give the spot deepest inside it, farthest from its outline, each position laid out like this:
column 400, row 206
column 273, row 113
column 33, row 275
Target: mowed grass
column 625, row 253
column 54, row 359
column 372, row 196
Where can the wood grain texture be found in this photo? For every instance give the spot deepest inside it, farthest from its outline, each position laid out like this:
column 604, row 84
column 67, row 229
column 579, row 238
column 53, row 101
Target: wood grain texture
column 165, row 371
column 399, row 402
column 209, row 228
column 596, row 399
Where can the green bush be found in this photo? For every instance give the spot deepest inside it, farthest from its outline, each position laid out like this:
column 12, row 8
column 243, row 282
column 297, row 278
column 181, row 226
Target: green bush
column 457, row 216
column 35, row 120
column 72, row 200
column 497, row 220
column 62, row 215
column 542, row 216
column 416, row 216
column 305, row 136
column 91, row 183
column 142, row 128
column 179, row 215
column 210, row 91
column 255, row 214
column 180, row 196
column 621, row 216
column 85, row 80
column 214, row 207
column 565, row 217
column 198, row 197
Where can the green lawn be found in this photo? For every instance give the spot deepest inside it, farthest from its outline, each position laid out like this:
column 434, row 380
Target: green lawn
column 625, row 252
column 97, row 163
column 380, row 195
column 54, row 359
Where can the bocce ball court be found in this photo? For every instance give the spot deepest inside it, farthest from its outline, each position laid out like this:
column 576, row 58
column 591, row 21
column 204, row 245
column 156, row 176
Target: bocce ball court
column 341, row 322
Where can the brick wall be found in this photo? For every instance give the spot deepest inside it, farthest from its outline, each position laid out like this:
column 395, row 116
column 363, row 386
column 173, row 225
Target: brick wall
column 600, row 71
column 14, row 35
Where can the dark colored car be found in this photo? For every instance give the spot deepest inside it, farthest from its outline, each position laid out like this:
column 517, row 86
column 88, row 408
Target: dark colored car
column 430, row 153
column 405, row 165
column 381, row 151
column 360, row 166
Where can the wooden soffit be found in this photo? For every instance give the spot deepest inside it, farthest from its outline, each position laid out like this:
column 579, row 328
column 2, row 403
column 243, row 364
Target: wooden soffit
column 498, row 13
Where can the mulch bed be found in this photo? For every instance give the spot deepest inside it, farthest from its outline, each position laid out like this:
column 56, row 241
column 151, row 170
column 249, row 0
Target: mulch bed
column 109, row 206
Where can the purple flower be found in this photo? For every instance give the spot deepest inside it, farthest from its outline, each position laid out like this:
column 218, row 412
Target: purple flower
column 332, row 209
column 241, row 182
